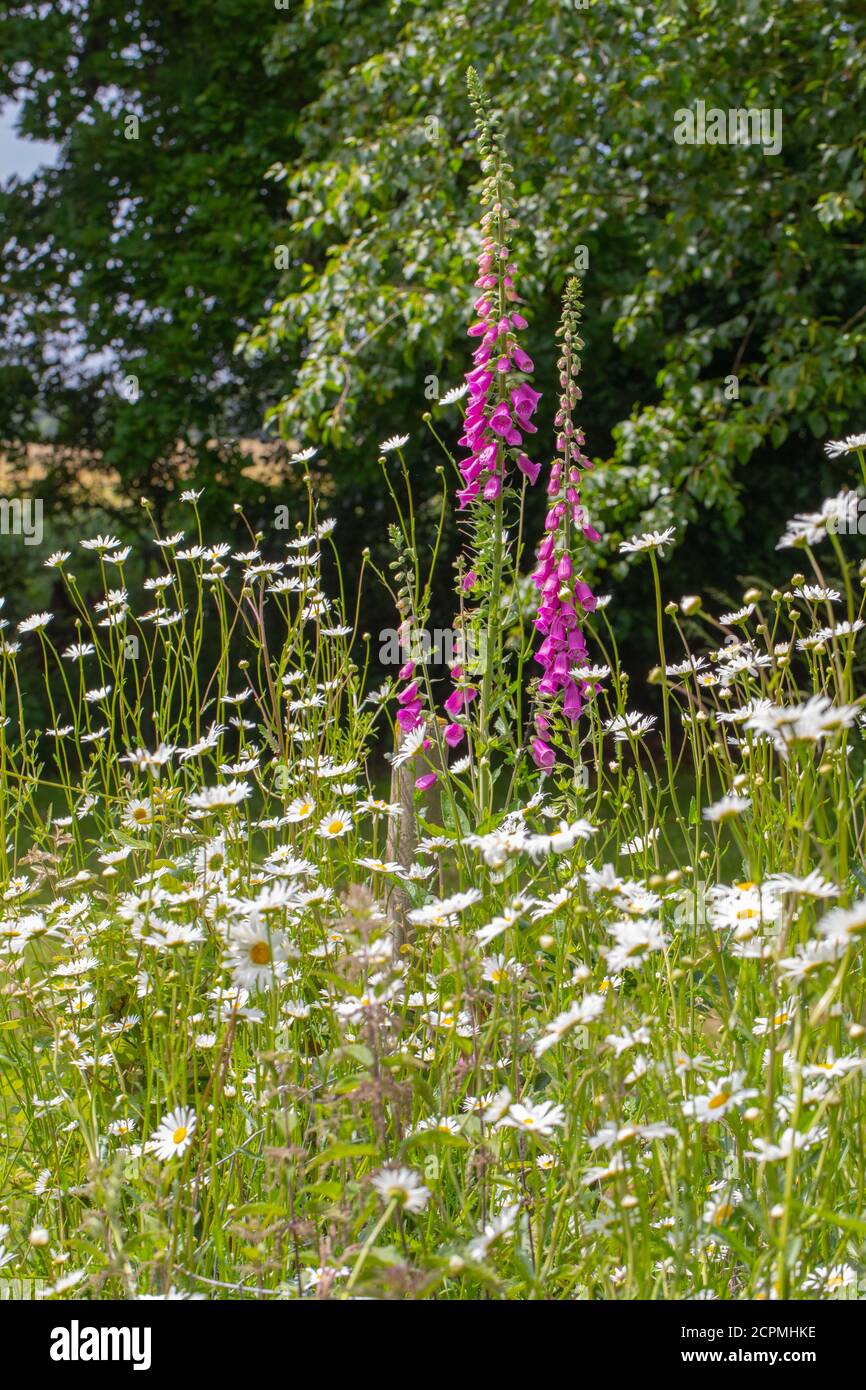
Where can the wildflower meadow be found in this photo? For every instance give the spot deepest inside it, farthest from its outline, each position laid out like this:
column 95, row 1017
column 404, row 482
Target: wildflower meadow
column 488, row 969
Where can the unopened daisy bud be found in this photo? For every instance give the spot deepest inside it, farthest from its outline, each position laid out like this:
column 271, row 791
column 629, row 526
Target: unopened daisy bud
column 547, row 942
column 38, row 1236
column 752, row 596
column 778, row 1211
column 670, row 609
column 655, row 676
column 855, row 1031
column 752, row 1115
column 797, row 580
column 673, row 877
column 691, row 603
column 776, row 595
column 655, row 880
column 628, row 1203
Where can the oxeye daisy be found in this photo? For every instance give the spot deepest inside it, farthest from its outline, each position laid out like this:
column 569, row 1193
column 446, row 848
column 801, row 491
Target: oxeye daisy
column 35, row 622
column 101, row 543
column 402, row 1186
column 173, row 1135
column 834, row 448
column 396, row 441
column 334, row 825
column 649, row 540
column 540, row 1119
column 121, row 1129
column 726, row 807
column 727, row 1094
column 137, row 813
column 255, row 952
column 218, row 798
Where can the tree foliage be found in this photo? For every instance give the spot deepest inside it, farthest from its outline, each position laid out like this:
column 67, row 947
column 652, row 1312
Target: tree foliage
column 346, row 271
column 148, row 245
column 703, row 264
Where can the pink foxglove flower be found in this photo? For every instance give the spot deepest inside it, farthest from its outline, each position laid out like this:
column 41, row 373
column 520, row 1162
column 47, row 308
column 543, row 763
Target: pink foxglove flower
column 563, row 596
column 500, row 403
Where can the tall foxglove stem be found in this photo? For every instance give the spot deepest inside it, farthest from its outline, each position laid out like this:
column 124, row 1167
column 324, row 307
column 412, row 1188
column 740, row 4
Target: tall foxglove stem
column 499, row 413
column 563, row 595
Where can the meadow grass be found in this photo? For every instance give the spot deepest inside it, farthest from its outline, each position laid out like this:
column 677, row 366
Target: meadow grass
column 247, row 1053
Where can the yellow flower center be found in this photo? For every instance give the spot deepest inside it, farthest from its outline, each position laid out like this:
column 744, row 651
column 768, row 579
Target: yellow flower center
column 335, row 826
column 719, row 1100
column 179, row 1135
column 260, row 953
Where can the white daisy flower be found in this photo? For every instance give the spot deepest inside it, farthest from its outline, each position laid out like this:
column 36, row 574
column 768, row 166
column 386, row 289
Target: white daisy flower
column 396, row 441
column 173, row 1135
